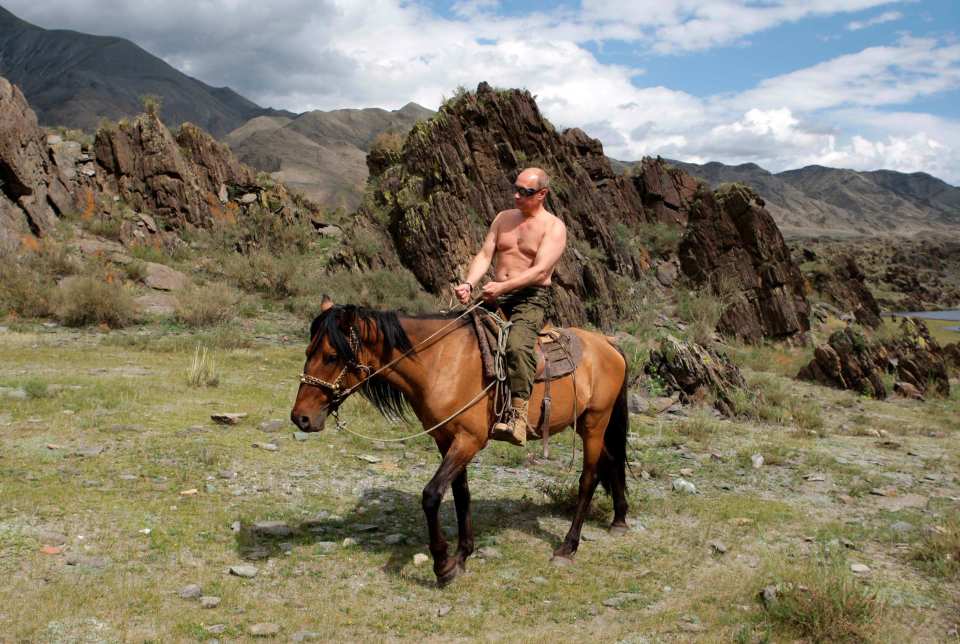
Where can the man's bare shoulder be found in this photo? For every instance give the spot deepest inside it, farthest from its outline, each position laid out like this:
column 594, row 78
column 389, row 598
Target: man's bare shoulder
column 555, row 222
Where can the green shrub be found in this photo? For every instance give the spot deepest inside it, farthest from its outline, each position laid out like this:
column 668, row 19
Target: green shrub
column 939, row 550
column 25, row 292
column 36, row 389
column 660, row 239
column 136, row 270
column 807, row 415
column 823, row 602
column 261, row 272
column 90, row 299
column 206, row 305
column 701, row 311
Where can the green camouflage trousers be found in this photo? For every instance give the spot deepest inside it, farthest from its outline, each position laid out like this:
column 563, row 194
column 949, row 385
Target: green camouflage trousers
column 526, row 309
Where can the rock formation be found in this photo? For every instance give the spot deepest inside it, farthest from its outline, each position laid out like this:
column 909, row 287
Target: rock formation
column 850, row 360
column 431, row 199
column 841, row 283
column 733, row 247
column 696, row 372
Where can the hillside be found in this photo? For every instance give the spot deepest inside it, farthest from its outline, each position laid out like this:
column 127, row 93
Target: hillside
column 321, row 154
column 76, row 80
column 816, row 200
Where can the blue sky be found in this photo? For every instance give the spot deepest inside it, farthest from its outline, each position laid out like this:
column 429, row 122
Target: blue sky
column 864, row 84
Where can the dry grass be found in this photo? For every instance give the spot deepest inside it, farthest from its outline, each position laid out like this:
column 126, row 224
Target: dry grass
column 203, row 369
column 206, row 305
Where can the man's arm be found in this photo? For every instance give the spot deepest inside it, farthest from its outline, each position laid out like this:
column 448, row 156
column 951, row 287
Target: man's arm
column 480, row 263
column 551, row 249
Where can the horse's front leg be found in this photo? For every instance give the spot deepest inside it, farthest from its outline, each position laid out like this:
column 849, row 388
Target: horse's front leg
column 453, row 465
column 461, row 498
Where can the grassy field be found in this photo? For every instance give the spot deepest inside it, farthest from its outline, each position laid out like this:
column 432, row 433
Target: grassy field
column 117, row 491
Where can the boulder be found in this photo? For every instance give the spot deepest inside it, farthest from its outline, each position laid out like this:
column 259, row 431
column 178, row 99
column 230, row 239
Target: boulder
column 847, row 361
column 164, row 278
column 696, row 372
column 842, row 283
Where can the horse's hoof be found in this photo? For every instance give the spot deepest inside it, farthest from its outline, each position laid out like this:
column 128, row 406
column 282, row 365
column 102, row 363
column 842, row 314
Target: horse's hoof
column 561, row 561
column 618, row 530
column 446, row 577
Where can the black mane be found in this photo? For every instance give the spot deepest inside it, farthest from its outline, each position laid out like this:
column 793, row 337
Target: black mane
column 390, row 402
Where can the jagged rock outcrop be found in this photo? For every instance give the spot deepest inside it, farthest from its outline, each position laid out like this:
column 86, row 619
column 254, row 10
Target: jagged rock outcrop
column 841, row 282
column 733, row 247
column 183, row 180
column 32, row 191
column 696, row 372
column 951, row 356
column 850, row 360
column 847, row 361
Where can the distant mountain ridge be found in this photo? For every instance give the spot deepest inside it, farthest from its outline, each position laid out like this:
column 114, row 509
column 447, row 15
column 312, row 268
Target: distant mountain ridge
column 75, row 80
column 816, row 200
column 321, row 154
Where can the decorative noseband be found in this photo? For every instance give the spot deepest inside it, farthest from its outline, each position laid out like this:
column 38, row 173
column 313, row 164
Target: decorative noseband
column 338, row 397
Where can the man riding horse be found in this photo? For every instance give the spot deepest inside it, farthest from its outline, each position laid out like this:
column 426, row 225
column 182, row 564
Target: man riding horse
column 526, row 243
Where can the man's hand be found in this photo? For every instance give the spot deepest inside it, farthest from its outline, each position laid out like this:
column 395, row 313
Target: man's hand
column 463, row 292
column 491, row 291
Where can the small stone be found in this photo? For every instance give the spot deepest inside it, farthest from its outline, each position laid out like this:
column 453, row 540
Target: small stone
column 366, row 527
column 191, row 492
column 718, row 547
column 51, row 550
column 816, row 477
column 273, row 425
column 684, row 487
column 216, row 629
column 305, row 636
column 191, row 591
column 348, row 542
column 769, row 595
column 264, row 630
column 227, row 474
column 488, row 552
column 686, row 471
column 244, row 570
column 270, row 447
column 272, row 529
column 419, row 559
column 228, row 418
column 757, row 460
column 394, row 539
column 301, row 437
column 325, row 546
column 248, row 198
column 368, row 458
column 859, row 568
column 444, row 610
column 539, row 580
column 209, row 601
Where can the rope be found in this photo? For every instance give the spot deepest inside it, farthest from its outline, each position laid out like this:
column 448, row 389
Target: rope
column 426, row 431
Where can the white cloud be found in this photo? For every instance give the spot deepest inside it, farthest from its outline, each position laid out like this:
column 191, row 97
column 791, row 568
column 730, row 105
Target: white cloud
column 886, row 16
column 305, row 54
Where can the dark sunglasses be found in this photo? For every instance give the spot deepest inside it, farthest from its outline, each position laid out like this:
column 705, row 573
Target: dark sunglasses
column 527, row 192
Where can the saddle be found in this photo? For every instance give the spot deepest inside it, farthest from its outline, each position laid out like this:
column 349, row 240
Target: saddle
column 559, row 350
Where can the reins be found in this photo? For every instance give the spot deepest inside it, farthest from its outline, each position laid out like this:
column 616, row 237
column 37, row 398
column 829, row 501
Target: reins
column 339, row 396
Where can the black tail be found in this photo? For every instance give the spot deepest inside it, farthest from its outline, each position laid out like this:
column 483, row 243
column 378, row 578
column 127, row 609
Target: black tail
column 612, row 466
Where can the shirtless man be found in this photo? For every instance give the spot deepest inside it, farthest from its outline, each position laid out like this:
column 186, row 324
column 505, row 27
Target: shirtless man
column 526, row 243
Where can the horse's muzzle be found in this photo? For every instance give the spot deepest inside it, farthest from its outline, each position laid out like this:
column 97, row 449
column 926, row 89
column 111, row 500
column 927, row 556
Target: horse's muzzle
column 309, row 422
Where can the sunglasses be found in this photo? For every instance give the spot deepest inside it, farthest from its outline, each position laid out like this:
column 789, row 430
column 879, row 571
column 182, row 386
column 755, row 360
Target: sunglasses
column 527, row 192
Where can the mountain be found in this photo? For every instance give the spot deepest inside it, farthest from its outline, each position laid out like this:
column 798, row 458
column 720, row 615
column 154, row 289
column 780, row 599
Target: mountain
column 321, row 154
column 816, row 200
column 75, row 80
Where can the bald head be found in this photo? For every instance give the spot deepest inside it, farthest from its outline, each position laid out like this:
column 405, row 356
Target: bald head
column 538, row 177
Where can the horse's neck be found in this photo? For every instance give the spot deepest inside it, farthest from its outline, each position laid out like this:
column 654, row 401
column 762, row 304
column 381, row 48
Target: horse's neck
column 442, row 357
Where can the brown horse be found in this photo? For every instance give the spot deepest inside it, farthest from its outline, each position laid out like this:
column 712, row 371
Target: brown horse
column 433, row 365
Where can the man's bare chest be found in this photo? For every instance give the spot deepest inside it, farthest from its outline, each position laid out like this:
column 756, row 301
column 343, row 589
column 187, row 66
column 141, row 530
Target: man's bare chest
column 524, row 237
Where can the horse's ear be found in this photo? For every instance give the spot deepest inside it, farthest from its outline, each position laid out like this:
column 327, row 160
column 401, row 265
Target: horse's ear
column 325, row 303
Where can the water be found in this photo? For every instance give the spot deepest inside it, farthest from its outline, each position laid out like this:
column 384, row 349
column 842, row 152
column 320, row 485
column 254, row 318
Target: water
column 951, row 316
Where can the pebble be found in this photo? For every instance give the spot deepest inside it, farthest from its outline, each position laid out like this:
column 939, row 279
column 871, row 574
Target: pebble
column 769, row 595
column 191, row 591
column 216, row 629
column 227, row 418
column 365, row 527
column 539, row 580
column 270, row 447
column 227, row 474
column 488, row 552
column 368, row 458
column 859, row 568
column 757, row 460
column 718, row 547
column 394, row 539
column 620, row 599
column 272, row 529
column 684, row 486
column 264, row 630
column 273, row 425
column 816, row 477
column 244, row 570
column 687, row 471
column 444, row 610
column 305, row 636
column 419, row 559
column 301, row 436
column 209, row 601
column 348, row 542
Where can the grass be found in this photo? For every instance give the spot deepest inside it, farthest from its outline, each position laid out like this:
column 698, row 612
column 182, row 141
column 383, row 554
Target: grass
column 938, row 553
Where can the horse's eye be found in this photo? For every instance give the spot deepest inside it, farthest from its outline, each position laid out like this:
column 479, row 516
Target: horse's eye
column 330, row 359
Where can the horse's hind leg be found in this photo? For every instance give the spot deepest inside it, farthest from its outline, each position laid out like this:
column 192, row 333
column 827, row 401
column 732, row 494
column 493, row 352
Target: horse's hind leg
column 592, row 449
column 618, row 491
column 454, row 463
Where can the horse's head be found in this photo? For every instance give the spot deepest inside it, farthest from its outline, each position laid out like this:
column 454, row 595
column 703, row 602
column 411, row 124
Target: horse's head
column 332, row 366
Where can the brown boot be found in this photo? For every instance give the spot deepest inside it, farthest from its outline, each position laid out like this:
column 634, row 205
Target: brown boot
column 514, row 432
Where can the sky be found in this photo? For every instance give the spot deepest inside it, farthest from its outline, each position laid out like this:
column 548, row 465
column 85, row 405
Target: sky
column 862, row 84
